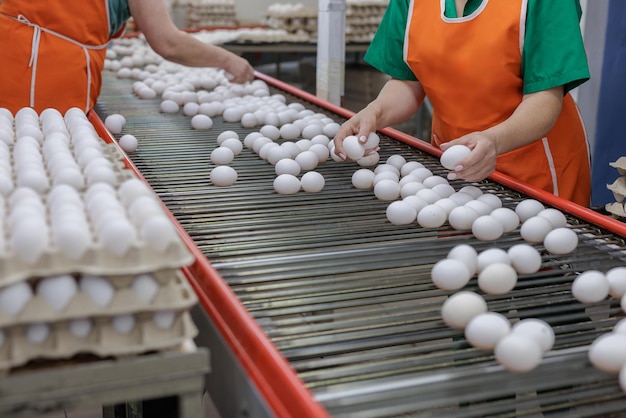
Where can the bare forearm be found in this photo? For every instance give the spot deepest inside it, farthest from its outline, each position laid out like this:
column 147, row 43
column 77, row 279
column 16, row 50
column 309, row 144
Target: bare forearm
column 532, row 119
column 396, row 102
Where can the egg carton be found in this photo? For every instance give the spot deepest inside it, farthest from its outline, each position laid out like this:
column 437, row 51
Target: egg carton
column 616, row 208
column 162, row 291
column 620, row 165
column 618, row 187
column 103, row 340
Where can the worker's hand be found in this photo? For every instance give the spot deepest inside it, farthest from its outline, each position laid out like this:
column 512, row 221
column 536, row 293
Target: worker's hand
column 238, row 70
column 360, row 125
column 480, row 163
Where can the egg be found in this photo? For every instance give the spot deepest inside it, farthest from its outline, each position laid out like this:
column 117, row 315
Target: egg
column 308, row 160
column 432, row 181
column 224, row 135
column 98, row 288
column 370, row 160
column 616, row 277
column 497, row 279
column 14, row 297
column 372, row 141
column 525, row 258
column 158, row 232
column 353, row 148
column 201, row 122
column 401, row 213
column 461, row 198
column 486, row 329
column 396, row 160
column 321, row 150
column 450, row 274
column 222, row 156
column 507, row 217
column 312, row 182
column 270, row 131
column 115, row 123
column 590, row 286
column 518, row 353
column 461, row 307
column 561, row 240
column 443, row 189
column 289, row 131
column 80, row 327
column 58, row 291
column 145, row 287
column 287, row 166
column 331, row 129
column 536, row 329
column 555, row 216
column 411, row 188
column 29, row 240
column 118, row 236
column 492, row 256
column 467, row 254
column 223, row 175
column 535, row 229
column 128, row 143
column 37, row 332
column 487, row 228
column 431, row 216
column 169, row 106
column 528, row 208
column 608, row 352
column 234, row 144
column 451, row 157
column 164, row 319
column 123, row 323
column 481, row 207
column 286, row 184
column 473, row 191
column 387, row 190
column 428, row 195
column 417, row 202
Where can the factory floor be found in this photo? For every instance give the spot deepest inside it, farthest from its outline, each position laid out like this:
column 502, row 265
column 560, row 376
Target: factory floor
column 362, row 84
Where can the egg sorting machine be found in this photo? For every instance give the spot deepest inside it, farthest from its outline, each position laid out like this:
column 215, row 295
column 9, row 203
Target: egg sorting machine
column 315, row 305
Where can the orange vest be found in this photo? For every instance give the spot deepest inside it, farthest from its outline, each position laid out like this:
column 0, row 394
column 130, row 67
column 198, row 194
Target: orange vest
column 52, row 53
column 470, row 69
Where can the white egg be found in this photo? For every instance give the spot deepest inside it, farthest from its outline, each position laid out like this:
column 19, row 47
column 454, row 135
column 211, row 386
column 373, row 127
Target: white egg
column 555, row 216
column 387, row 190
column 486, row 329
column 248, row 141
column 222, row 156
column 169, row 106
column 14, row 297
column 124, row 323
column 473, row 191
column 118, row 236
column 286, row 184
column 190, row 109
column 462, row 217
column 386, row 175
column 264, row 152
column 320, row 139
column 492, row 256
column 223, row 175
column 145, row 287
column 481, row 207
column 158, row 232
column 370, row 160
column 308, row 160
column 201, row 122
column 451, row 157
column 431, row 216
column 289, row 131
column 270, row 131
column 620, row 327
column 58, row 291
column 29, row 240
column 450, row 274
column 115, row 123
column 128, row 143
column 461, row 198
column 535, row 229
column 37, row 332
column 260, row 142
column 130, row 189
column 397, row 161
column 98, row 288
column 164, row 319
column 312, row 182
column 311, row 130
column 536, row 329
column 428, row 195
column 331, row 129
column 372, row 140
column 234, row 144
column 321, row 150
column 608, row 352
column 497, row 279
column 561, row 240
column 443, row 189
column 525, row 258
column 435, row 180
column 528, row 208
column 617, row 281
column 590, row 286
column 417, row 202
column 467, row 254
column 287, row 166
column 487, row 228
column 401, row 213
column 80, row 327
column 353, row 148
column 409, row 189
column 461, row 307
column 507, row 217
column 518, row 353
column 224, row 135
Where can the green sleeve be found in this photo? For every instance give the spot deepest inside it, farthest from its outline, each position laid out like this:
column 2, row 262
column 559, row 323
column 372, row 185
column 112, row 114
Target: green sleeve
column 385, row 52
column 118, row 15
column 553, row 53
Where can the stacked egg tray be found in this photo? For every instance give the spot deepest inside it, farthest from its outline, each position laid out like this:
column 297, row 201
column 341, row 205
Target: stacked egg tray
column 618, row 187
column 89, row 259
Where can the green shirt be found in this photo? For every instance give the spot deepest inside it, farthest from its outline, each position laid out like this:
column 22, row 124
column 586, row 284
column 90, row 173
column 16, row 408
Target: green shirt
column 553, row 54
column 118, row 15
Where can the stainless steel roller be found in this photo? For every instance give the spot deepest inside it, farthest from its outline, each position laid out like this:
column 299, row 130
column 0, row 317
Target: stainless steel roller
column 346, row 297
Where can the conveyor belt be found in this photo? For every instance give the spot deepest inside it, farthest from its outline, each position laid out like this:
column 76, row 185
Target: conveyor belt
column 346, row 297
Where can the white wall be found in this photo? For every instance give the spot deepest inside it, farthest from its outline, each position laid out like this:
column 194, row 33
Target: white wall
column 251, row 11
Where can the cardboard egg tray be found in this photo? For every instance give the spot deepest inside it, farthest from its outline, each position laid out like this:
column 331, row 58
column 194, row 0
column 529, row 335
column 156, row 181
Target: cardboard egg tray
column 173, row 294
column 102, row 341
column 618, row 187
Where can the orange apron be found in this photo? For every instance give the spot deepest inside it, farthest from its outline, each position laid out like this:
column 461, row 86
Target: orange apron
column 52, row 53
column 470, row 68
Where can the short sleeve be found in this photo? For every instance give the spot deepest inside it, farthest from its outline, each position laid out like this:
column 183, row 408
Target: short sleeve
column 385, row 52
column 553, row 54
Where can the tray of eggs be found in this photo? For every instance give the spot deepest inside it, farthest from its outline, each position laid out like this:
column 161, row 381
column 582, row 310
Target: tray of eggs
column 59, row 316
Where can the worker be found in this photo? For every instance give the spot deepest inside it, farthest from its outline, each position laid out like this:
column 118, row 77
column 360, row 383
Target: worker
column 498, row 75
column 52, row 52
